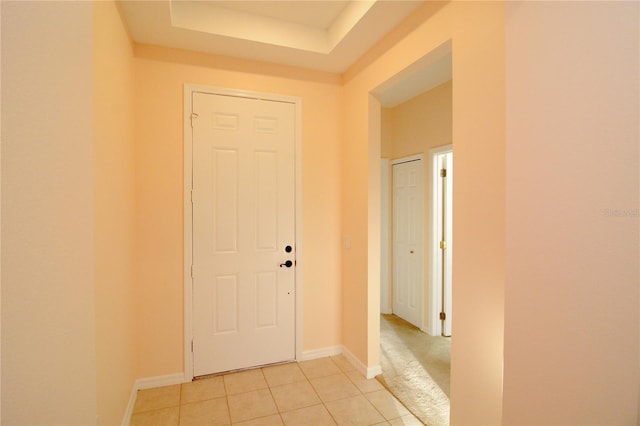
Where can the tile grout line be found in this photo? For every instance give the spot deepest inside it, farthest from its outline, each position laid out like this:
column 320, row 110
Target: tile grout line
column 364, row 394
column 321, row 400
column 226, row 400
column 272, row 397
column 367, row 399
column 270, row 393
column 179, row 404
column 284, row 384
column 308, row 380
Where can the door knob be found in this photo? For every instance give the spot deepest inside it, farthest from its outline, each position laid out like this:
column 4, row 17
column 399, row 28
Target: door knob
column 288, row 264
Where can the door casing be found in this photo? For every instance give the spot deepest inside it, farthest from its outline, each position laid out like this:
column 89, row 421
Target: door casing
column 385, row 235
column 189, row 89
column 434, row 326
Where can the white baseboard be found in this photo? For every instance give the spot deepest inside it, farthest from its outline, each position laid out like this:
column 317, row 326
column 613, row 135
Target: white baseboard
column 321, row 353
column 132, row 402
column 368, row 372
column 374, row 371
column 154, row 382
column 151, row 382
column 427, row 331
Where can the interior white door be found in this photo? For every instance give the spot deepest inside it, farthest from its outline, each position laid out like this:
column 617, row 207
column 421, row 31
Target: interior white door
column 243, row 232
column 408, row 218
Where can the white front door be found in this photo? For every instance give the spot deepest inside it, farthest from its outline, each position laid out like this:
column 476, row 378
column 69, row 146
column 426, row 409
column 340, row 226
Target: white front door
column 243, row 232
column 408, row 218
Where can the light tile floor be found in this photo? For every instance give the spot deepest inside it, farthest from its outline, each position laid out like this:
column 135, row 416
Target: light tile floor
column 325, row 391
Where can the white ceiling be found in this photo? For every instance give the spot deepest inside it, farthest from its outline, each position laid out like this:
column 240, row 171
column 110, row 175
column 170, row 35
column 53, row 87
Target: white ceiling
column 321, row 35
column 429, row 71
column 315, row 14
column 326, row 35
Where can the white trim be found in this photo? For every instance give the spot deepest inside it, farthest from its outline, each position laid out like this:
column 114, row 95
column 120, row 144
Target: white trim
column 426, row 329
column 434, row 326
column 189, row 89
column 322, row 353
column 214, row 90
column 298, row 226
column 368, row 372
column 126, row 421
column 188, row 230
column 372, row 372
column 417, row 157
column 441, row 150
column 148, row 383
column 155, row 382
column 385, row 241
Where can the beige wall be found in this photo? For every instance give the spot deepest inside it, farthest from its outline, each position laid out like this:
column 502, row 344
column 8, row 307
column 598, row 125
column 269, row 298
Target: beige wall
column 386, row 132
column 571, row 316
column 160, row 78
column 113, row 163
column 422, row 123
column 477, row 34
column 415, row 127
column 48, row 296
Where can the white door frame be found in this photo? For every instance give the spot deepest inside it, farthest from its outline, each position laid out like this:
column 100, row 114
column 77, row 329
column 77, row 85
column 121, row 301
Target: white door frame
column 434, row 325
column 189, row 89
column 385, row 235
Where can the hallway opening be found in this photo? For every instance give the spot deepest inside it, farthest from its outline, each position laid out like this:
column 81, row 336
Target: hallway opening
column 415, row 237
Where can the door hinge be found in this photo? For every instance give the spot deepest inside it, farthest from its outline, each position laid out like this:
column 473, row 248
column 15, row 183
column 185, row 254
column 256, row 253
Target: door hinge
column 443, row 245
column 443, row 317
column 193, row 115
column 443, row 173
column 192, row 196
column 192, row 346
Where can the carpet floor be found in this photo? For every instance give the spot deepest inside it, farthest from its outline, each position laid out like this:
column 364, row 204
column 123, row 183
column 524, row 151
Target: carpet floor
column 416, row 369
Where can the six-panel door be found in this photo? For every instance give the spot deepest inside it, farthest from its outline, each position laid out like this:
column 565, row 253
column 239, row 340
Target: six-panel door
column 243, row 219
